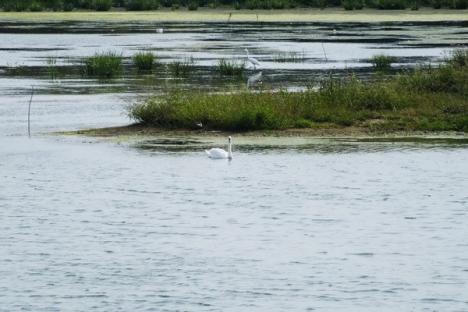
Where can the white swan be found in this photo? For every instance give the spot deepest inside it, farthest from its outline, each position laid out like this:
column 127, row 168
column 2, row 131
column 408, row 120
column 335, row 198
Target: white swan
column 219, row 153
column 252, row 60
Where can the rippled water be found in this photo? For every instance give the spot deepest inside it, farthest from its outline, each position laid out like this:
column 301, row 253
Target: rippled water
column 289, row 225
column 332, row 226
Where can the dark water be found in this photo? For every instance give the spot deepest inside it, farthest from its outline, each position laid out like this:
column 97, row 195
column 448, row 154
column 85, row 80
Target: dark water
column 153, row 225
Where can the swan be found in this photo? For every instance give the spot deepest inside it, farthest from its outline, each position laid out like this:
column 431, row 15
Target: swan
column 219, row 153
column 252, row 60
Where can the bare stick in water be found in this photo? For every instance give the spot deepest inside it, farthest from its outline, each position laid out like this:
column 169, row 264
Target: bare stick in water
column 324, row 53
column 29, row 112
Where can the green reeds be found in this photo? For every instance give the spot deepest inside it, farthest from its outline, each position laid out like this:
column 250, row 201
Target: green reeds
column 231, row 68
column 52, row 69
column 289, row 57
column 382, row 62
column 181, row 68
column 144, row 60
column 425, row 99
column 105, row 65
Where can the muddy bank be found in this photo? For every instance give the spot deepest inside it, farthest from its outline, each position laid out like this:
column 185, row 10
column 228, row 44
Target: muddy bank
column 141, row 131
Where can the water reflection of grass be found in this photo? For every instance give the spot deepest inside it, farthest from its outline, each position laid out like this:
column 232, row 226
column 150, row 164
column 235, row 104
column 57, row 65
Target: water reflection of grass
column 433, row 99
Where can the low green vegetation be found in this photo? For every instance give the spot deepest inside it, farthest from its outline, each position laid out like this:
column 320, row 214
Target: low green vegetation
column 289, row 57
column 52, row 69
column 144, row 61
column 181, row 68
column 103, row 65
column 382, row 62
column 231, row 68
column 138, row 5
column 429, row 98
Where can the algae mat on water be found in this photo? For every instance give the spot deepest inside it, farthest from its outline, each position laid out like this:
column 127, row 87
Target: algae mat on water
column 223, row 15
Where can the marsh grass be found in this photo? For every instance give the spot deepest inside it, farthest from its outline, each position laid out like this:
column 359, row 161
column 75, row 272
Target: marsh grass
column 382, row 62
column 289, row 57
column 231, row 68
column 103, row 65
column 181, row 68
column 144, row 61
column 425, row 99
column 52, row 69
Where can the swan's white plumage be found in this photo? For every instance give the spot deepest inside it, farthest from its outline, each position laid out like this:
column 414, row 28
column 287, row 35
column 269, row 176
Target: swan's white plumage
column 219, row 153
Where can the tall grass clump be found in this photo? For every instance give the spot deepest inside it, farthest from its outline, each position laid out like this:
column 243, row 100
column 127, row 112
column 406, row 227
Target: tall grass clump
column 382, row 62
column 52, row 69
column 433, row 99
column 231, row 68
column 289, row 57
column 105, row 65
column 181, row 68
column 144, row 60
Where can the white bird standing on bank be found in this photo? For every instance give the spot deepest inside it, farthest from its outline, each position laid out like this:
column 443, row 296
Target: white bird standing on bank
column 219, row 153
column 252, row 60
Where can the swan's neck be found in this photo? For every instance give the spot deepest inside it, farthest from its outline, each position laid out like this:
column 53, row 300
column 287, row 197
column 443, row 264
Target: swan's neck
column 230, row 150
column 247, row 53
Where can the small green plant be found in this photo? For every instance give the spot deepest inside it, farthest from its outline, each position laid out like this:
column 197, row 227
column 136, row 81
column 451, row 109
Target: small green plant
column 289, row 57
column 231, row 68
column 382, row 62
column 181, row 68
column 144, row 60
column 105, row 65
column 52, row 69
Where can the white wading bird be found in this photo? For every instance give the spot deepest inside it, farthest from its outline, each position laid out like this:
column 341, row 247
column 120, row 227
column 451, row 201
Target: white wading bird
column 219, row 153
column 252, row 60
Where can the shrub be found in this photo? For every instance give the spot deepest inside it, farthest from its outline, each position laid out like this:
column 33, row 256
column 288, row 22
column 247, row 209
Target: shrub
column 193, row 6
column 35, row 7
column 102, row 5
column 391, row 4
column 139, row 5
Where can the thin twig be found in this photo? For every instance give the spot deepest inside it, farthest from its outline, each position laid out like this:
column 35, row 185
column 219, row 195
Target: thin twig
column 29, row 111
column 324, row 53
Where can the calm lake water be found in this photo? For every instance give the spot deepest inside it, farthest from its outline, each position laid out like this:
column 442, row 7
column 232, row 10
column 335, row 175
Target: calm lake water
column 288, row 225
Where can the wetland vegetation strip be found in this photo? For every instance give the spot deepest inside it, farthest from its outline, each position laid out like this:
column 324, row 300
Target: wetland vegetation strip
column 224, row 15
column 425, row 99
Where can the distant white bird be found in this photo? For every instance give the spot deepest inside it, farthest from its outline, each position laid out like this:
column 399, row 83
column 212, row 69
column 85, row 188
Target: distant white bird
column 252, row 60
column 219, row 153
column 159, row 30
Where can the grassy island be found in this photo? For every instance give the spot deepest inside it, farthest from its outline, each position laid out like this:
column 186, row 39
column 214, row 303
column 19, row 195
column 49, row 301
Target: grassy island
column 424, row 99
